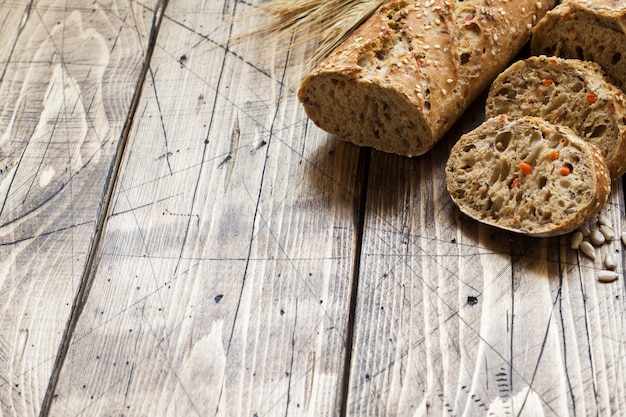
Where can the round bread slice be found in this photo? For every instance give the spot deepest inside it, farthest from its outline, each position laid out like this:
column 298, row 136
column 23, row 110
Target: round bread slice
column 571, row 92
column 592, row 30
column 527, row 175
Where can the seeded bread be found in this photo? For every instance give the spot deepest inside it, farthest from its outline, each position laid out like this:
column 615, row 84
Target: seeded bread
column 592, row 30
column 565, row 91
column 527, row 175
column 401, row 80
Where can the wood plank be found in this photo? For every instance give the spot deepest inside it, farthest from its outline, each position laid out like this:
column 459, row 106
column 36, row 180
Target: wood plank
column 224, row 279
column 68, row 76
column 455, row 318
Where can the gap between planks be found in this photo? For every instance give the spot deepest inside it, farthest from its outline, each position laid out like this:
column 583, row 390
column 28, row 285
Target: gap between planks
column 360, row 201
column 91, row 263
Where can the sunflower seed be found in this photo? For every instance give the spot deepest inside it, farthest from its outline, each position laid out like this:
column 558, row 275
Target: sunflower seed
column 597, row 238
column 607, row 231
column 604, row 220
column 610, row 261
column 577, row 238
column 607, row 276
column 588, row 249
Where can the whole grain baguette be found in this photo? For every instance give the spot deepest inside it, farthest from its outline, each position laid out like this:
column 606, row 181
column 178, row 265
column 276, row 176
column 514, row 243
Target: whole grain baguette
column 401, row 80
column 565, row 91
column 587, row 30
column 527, row 175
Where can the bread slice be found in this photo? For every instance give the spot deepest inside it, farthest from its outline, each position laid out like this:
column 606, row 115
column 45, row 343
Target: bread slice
column 592, row 30
column 527, row 175
column 566, row 91
column 408, row 73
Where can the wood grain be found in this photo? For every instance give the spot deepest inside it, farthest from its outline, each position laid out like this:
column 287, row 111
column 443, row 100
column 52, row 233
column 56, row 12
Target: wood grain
column 249, row 264
column 13, row 16
column 68, row 76
column 224, row 278
column 458, row 319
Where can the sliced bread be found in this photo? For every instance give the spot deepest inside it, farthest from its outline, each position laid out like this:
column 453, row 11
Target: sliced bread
column 591, row 30
column 566, row 91
column 527, row 175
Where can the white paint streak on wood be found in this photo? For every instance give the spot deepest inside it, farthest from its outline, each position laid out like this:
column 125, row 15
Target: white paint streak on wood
column 525, row 403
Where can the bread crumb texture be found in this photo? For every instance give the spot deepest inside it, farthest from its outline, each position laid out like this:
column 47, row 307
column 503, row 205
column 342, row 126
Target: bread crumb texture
column 527, row 175
column 401, row 80
column 570, row 92
column 593, row 30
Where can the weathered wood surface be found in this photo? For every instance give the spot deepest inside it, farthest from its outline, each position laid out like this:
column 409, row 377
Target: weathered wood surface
column 248, row 263
column 223, row 281
column 68, row 73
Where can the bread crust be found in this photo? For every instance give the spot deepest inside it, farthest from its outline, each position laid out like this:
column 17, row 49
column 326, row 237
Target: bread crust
column 509, row 173
column 401, row 80
column 571, row 92
column 591, row 30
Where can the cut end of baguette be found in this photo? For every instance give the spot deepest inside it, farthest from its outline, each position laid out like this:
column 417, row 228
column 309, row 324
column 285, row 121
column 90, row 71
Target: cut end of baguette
column 527, row 176
column 366, row 115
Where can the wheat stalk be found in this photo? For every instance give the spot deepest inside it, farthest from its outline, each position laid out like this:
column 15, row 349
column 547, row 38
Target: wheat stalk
column 326, row 22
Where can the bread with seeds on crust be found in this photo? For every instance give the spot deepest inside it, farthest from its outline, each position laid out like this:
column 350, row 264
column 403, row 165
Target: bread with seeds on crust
column 590, row 30
column 402, row 79
column 565, row 91
column 528, row 176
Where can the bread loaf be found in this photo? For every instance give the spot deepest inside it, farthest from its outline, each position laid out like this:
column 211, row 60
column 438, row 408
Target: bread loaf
column 593, row 30
column 401, row 80
column 565, row 91
column 527, row 175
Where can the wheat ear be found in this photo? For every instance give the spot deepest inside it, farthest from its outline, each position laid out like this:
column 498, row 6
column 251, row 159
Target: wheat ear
column 325, row 22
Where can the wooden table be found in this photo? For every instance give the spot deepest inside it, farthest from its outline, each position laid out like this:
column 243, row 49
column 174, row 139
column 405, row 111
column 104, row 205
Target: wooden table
column 176, row 238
